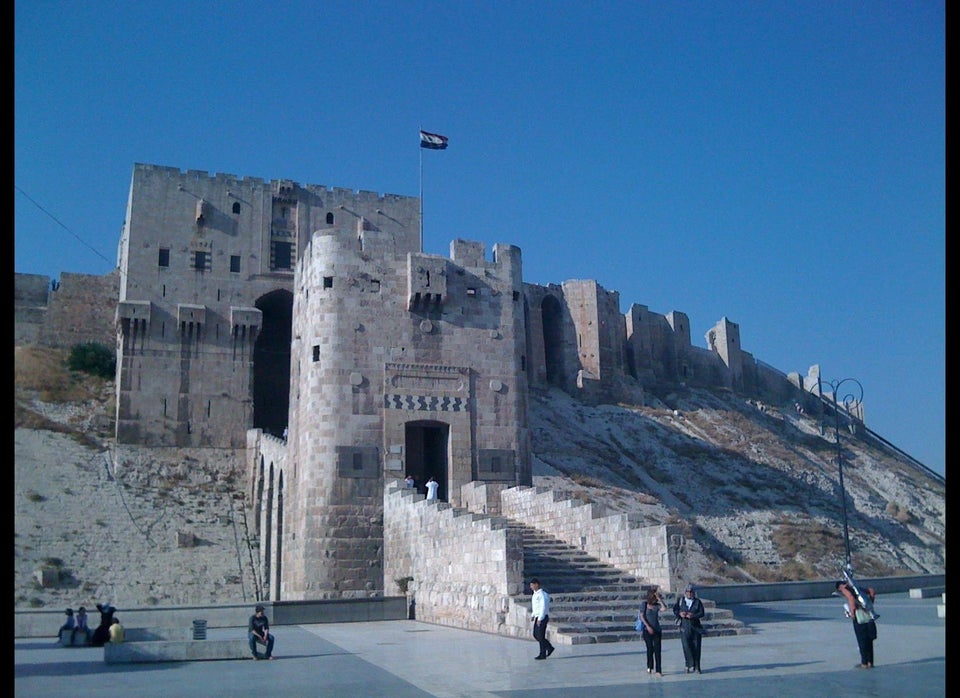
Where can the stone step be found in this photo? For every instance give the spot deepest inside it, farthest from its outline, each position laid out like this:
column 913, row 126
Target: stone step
column 592, row 602
column 576, row 630
column 630, row 635
column 623, row 596
column 627, row 614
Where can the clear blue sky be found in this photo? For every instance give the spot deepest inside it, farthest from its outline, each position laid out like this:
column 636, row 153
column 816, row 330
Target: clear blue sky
column 781, row 164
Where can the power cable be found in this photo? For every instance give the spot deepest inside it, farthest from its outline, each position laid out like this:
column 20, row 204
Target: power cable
column 58, row 222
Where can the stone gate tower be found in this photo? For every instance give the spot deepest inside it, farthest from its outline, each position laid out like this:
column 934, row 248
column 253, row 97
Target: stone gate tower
column 401, row 363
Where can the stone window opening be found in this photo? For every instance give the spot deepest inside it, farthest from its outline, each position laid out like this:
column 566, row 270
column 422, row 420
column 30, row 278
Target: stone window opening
column 236, row 207
column 328, row 282
column 163, row 259
column 329, row 219
column 282, row 253
column 316, row 352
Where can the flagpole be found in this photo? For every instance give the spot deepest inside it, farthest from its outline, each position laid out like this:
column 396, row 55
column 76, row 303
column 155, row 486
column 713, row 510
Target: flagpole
column 421, row 199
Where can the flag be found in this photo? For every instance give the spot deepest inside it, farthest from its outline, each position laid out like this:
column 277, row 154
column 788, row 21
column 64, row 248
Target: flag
column 432, row 141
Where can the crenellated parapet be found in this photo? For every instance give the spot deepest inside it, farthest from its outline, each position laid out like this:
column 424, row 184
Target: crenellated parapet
column 578, row 340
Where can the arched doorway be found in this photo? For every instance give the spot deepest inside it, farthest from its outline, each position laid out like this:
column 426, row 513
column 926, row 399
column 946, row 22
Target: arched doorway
column 426, row 454
column 271, row 363
column 552, row 314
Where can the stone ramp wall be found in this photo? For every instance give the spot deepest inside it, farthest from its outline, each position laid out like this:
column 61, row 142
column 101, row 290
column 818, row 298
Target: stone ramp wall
column 650, row 553
column 464, row 565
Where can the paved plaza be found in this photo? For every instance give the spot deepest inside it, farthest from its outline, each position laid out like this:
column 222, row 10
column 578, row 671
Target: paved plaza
column 798, row 648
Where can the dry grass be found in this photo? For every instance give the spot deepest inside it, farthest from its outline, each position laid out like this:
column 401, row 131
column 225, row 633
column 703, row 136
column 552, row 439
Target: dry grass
column 43, row 371
column 899, row 513
column 794, row 539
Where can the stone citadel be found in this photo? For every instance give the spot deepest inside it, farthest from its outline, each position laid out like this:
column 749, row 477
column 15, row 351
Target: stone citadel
column 305, row 328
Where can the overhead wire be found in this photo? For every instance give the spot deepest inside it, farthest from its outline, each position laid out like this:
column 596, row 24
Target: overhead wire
column 62, row 225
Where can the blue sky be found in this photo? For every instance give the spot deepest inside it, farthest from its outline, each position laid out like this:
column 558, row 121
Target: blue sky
column 781, row 164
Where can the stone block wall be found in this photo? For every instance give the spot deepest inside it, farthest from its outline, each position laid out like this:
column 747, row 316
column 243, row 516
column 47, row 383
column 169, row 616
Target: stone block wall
column 82, row 309
column 465, row 566
column 483, row 498
column 29, row 306
column 619, row 540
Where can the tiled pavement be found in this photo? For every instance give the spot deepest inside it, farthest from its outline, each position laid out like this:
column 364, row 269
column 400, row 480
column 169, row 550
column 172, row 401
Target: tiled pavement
column 798, row 648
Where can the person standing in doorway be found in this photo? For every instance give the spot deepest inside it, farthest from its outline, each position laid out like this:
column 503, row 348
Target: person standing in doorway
column 432, row 486
column 540, row 609
column 689, row 610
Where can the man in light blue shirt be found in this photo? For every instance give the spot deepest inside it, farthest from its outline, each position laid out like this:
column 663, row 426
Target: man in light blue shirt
column 540, row 606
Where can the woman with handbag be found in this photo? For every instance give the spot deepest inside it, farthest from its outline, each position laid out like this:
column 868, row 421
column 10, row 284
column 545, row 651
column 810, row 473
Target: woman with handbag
column 864, row 626
column 649, row 621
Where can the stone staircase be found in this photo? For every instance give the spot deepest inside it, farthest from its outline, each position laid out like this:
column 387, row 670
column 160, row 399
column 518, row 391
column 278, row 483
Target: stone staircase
column 592, row 602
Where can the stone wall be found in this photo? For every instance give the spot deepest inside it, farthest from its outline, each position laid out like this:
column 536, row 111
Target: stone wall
column 81, row 310
column 647, row 552
column 30, row 293
column 464, row 566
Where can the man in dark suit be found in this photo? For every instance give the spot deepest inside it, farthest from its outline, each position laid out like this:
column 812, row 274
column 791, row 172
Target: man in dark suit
column 689, row 610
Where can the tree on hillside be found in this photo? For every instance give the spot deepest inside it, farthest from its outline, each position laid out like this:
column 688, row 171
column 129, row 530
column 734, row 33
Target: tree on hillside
column 93, row 358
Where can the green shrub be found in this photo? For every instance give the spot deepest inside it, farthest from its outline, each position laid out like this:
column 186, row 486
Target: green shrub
column 93, row 358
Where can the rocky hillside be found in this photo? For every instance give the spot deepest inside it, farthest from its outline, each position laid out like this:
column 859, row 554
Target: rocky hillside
column 756, row 486
column 755, row 489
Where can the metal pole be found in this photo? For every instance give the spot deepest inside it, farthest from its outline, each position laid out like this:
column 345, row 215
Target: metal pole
column 420, row 148
column 843, row 492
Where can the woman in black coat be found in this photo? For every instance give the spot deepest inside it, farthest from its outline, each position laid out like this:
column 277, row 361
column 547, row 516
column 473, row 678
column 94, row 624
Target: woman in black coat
column 101, row 635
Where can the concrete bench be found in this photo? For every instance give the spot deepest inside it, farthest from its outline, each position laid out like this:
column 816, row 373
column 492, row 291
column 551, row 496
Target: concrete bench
column 153, row 634
column 176, row 650
column 926, row 592
column 80, row 639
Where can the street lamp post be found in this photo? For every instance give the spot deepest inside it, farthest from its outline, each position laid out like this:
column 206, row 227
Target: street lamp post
column 849, row 401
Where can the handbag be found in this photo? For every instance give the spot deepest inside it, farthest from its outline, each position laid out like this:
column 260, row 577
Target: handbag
column 862, row 616
column 639, row 626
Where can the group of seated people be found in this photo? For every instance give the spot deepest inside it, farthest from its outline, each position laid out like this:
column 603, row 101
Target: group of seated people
column 109, row 630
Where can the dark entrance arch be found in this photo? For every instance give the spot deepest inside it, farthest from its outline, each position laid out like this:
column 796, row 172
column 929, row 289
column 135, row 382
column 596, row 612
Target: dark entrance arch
column 271, row 363
column 552, row 314
column 426, row 454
